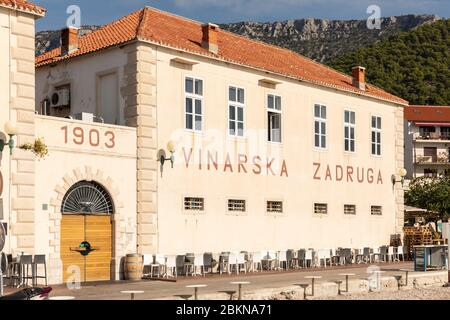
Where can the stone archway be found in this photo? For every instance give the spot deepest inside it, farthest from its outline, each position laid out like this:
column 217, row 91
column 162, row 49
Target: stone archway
column 119, row 222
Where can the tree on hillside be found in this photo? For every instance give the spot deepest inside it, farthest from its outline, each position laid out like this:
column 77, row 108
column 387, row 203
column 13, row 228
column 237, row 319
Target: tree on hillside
column 414, row 65
column 432, row 194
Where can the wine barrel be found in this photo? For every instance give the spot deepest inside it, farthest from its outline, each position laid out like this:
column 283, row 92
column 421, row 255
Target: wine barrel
column 134, row 267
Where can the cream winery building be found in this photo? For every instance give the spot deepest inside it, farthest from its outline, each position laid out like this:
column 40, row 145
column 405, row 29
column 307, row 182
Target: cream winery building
column 270, row 149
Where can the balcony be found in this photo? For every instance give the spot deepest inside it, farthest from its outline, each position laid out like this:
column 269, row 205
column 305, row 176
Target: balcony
column 440, row 159
column 432, row 137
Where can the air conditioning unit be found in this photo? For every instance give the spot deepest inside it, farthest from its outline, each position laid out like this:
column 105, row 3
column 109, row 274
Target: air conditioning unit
column 60, row 98
column 84, row 116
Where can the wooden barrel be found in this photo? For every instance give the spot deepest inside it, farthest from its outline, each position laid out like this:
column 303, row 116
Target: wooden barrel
column 134, row 267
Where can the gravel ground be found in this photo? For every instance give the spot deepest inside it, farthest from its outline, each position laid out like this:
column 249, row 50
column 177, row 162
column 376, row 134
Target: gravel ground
column 425, row 293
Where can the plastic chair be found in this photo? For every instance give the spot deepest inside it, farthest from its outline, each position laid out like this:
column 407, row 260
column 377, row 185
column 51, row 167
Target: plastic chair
column 159, row 264
column 39, row 259
column 301, row 257
column 282, row 260
column 256, row 261
column 171, row 265
column 199, row 262
column 25, row 266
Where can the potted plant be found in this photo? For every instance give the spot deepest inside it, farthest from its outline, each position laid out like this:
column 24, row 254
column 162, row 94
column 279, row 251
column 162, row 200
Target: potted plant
column 38, row 147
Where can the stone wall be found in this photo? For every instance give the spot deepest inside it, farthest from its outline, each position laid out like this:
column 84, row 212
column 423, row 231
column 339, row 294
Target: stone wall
column 140, row 111
column 22, row 112
column 400, row 163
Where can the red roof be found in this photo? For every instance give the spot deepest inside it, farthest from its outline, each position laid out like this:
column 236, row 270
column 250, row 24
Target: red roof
column 23, row 5
column 427, row 113
column 176, row 32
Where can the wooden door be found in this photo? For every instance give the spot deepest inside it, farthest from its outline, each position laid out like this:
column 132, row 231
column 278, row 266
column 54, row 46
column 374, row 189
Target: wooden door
column 72, row 234
column 99, row 235
column 96, row 230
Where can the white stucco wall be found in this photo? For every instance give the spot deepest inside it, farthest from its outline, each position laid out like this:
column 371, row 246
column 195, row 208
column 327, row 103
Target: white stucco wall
column 298, row 226
column 70, row 161
column 216, row 230
column 82, row 74
column 4, row 110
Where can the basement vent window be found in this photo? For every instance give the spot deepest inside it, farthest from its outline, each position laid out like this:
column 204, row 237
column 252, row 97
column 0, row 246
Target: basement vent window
column 320, row 208
column 236, row 205
column 376, row 210
column 350, row 209
column 275, row 206
column 194, row 204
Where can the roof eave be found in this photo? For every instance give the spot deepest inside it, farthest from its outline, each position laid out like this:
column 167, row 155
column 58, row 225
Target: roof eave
column 318, row 83
column 32, row 12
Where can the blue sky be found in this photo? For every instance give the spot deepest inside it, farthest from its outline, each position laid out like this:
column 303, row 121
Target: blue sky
column 103, row 11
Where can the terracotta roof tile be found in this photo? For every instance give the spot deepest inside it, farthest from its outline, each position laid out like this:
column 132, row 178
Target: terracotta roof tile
column 177, row 32
column 427, row 113
column 23, row 5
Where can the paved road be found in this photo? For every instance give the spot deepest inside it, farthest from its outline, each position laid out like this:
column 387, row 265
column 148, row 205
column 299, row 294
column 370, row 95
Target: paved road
column 261, row 280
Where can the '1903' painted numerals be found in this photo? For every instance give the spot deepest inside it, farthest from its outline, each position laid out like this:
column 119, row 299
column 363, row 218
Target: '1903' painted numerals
column 93, row 137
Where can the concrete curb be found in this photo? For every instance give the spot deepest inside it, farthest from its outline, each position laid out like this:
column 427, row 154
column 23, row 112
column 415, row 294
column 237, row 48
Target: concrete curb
column 330, row 289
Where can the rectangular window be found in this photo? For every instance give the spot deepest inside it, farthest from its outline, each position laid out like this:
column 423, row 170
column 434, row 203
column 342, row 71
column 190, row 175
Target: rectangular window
column 194, row 204
column 193, row 104
column 320, row 126
column 274, row 118
column 275, row 206
column 376, row 210
column 236, row 104
column 236, row 205
column 349, row 209
column 376, row 136
column 430, row 173
column 320, row 208
column 349, row 131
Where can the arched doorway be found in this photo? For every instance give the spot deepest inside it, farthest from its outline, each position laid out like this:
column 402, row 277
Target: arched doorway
column 86, row 232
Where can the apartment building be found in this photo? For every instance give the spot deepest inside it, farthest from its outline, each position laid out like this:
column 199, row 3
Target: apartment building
column 427, row 140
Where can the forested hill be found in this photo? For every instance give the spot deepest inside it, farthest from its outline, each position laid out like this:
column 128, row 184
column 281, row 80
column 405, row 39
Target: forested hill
column 414, row 65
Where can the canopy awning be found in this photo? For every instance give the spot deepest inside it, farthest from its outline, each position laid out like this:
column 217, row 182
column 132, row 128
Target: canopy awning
column 433, row 124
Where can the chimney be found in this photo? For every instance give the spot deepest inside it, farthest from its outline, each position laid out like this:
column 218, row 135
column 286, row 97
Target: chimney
column 359, row 77
column 210, row 37
column 69, row 40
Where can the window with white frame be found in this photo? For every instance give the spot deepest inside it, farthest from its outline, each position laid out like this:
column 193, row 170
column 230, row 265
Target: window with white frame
column 236, row 205
column 376, row 136
column 194, row 204
column 274, row 206
column 236, row 104
column 349, row 130
column 376, row 210
column 193, row 104
column 320, row 126
column 320, row 208
column 349, row 209
column 274, row 118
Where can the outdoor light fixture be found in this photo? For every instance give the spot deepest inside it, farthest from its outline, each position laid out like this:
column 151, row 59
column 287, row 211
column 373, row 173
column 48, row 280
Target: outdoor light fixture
column 11, row 131
column 402, row 174
column 162, row 154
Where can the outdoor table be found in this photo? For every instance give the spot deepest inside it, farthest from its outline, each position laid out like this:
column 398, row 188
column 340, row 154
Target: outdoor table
column 304, row 286
column 346, row 279
column 62, row 298
column 196, row 286
column 240, row 283
column 312, row 282
column 132, row 292
column 406, row 278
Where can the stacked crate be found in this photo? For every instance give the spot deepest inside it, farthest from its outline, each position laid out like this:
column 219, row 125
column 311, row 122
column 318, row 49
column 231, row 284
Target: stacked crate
column 417, row 236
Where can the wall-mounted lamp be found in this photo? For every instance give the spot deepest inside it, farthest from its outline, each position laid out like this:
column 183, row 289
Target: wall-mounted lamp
column 162, row 155
column 400, row 173
column 11, row 131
